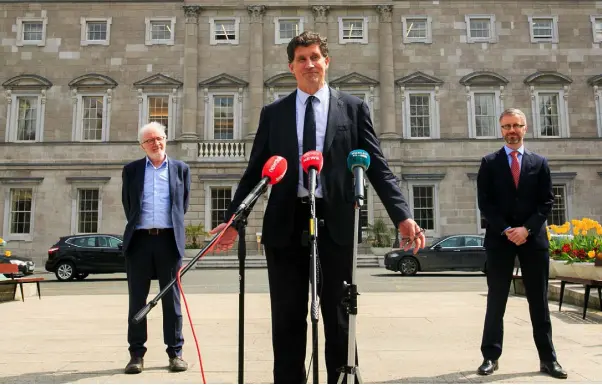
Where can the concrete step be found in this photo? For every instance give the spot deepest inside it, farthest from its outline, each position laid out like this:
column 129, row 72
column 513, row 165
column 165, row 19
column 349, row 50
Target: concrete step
column 253, row 261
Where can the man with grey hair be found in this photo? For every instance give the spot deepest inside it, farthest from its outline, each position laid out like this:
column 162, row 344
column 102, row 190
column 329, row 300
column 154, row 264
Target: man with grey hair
column 155, row 197
column 514, row 189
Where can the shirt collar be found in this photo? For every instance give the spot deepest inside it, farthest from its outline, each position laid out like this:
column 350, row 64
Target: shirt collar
column 165, row 162
column 521, row 150
column 322, row 94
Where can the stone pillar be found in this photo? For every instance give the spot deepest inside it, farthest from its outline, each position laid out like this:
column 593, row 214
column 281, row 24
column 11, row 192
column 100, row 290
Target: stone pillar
column 386, row 74
column 189, row 129
column 256, row 13
column 321, row 19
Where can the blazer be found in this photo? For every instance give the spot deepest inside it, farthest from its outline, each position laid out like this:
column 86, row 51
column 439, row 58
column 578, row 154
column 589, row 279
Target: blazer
column 131, row 197
column 503, row 205
column 349, row 127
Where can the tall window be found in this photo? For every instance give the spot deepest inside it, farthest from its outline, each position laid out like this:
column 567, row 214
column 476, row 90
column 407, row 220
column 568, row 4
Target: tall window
column 223, row 117
column 424, row 206
column 549, row 114
column 158, row 110
column 558, row 215
column 20, row 210
column 27, row 118
column 87, row 210
column 420, row 119
column 220, row 200
column 485, row 114
column 92, row 117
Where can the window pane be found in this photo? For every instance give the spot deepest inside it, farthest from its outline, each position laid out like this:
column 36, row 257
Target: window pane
column 27, row 118
column 424, row 210
column 416, row 28
column 113, row 242
column 160, row 30
column 353, row 29
column 558, row 214
column 364, row 211
column 32, row 30
column 92, row 117
column 485, row 116
column 97, row 30
column 453, row 242
column 220, row 199
column 20, row 211
column 223, row 117
column 420, row 122
column 480, row 28
column 542, row 28
column 288, row 28
column 598, row 29
column 158, row 110
column 87, row 210
column 548, row 114
column 225, row 30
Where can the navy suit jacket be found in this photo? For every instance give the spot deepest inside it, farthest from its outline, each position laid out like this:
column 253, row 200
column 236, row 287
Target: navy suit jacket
column 348, row 127
column 503, row 205
column 131, row 197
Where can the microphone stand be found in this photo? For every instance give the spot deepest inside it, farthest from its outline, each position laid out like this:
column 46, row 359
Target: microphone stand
column 313, row 273
column 350, row 302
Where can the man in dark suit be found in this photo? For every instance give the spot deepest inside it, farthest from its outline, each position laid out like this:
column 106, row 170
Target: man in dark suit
column 515, row 197
column 155, row 198
column 314, row 117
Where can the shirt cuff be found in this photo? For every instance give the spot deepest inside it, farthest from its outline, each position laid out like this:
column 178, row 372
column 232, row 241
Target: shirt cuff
column 506, row 229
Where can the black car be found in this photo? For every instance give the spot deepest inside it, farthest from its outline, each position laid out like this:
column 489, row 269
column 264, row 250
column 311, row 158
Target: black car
column 453, row 252
column 76, row 256
column 26, row 265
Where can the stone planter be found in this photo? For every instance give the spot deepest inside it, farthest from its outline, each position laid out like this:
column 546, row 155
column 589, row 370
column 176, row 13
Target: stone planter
column 563, row 269
column 587, row 270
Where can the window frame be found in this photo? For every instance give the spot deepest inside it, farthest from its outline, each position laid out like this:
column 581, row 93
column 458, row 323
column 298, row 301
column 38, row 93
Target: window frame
column 75, row 208
column 212, row 31
column 563, row 121
column 12, row 120
column 598, row 102
column 471, row 106
column 148, row 35
column 143, row 112
column 594, row 19
column 277, row 38
column 209, row 185
column 79, row 116
column 492, row 31
column 565, row 188
column 436, row 210
column 84, row 30
column 554, row 28
column 209, row 113
column 7, row 235
column 434, row 119
column 20, row 41
column 429, row 29
column 363, row 40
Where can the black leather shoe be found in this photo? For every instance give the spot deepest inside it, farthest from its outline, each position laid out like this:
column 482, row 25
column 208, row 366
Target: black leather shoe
column 487, row 367
column 553, row 368
column 177, row 364
column 135, row 365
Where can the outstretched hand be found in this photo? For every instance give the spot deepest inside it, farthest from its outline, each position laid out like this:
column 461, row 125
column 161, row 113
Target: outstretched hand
column 226, row 242
column 411, row 234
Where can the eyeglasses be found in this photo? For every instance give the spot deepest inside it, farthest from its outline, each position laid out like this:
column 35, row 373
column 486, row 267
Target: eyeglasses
column 153, row 140
column 515, row 126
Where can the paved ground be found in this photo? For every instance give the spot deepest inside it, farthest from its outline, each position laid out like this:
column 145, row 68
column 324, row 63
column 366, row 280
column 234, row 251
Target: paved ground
column 410, row 337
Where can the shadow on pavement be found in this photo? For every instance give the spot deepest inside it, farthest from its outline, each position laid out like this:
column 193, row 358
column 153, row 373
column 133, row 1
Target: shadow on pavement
column 475, row 274
column 64, row 377
column 461, row 378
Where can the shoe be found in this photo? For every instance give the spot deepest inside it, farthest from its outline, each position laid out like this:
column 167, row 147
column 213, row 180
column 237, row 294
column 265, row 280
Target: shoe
column 177, row 364
column 553, row 368
column 488, row 367
column 135, row 365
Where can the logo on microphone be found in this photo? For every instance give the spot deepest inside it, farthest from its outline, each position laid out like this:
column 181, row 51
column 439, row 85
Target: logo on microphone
column 274, row 169
column 312, row 159
column 275, row 164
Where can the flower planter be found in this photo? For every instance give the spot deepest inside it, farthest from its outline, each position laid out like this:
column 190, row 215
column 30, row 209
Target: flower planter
column 587, row 270
column 563, row 269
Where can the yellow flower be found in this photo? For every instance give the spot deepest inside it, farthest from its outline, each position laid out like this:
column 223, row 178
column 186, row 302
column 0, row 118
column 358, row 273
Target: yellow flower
column 584, row 232
column 591, row 253
column 7, row 253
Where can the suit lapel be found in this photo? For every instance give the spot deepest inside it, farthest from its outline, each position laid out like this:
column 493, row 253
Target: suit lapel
column 140, row 179
column 525, row 166
column 291, row 147
column 502, row 159
column 173, row 174
column 334, row 114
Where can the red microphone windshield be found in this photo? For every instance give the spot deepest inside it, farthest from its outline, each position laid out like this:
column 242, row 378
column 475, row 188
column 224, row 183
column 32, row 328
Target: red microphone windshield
column 312, row 159
column 274, row 168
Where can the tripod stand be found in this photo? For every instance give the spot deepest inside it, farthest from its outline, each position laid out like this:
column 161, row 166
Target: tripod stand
column 350, row 300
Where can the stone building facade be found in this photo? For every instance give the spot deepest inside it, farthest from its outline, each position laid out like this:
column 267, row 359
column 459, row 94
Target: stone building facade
column 78, row 79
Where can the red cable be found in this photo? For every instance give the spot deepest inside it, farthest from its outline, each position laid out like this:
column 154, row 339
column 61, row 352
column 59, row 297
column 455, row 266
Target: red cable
column 196, row 342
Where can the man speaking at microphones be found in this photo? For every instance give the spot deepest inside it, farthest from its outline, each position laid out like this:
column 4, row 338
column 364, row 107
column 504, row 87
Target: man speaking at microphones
column 314, row 117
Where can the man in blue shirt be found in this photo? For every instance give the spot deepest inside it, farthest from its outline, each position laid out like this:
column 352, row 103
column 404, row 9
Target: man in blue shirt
column 155, row 198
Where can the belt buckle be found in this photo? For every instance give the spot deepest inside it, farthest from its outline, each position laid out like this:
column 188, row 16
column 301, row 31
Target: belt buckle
column 153, row 231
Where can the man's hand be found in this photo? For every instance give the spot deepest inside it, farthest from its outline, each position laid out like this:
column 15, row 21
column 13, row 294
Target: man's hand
column 226, row 241
column 517, row 235
column 411, row 234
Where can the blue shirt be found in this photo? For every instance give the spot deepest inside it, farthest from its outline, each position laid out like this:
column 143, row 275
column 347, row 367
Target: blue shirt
column 320, row 104
column 509, row 151
column 156, row 203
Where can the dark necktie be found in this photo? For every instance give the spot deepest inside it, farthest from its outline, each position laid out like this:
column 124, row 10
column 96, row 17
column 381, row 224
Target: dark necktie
column 309, row 133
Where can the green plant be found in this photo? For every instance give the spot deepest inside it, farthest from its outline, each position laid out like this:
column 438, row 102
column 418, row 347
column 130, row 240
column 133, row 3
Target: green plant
column 379, row 234
column 195, row 235
column 584, row 245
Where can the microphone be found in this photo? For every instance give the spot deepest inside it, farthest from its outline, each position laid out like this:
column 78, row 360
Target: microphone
column 312, row 162
column 358, row 162
column 272, row 173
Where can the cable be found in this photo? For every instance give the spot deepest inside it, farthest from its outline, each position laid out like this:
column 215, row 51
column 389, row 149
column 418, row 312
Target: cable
column 178, row 277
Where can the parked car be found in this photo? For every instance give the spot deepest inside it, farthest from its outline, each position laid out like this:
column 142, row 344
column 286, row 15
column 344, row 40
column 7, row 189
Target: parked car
column 453, row 252
column 26, row 265
column 77, row 256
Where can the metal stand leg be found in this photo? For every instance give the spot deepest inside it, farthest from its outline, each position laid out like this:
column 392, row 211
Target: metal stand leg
column 242, row 251
column 562, row 284
column 586, row 300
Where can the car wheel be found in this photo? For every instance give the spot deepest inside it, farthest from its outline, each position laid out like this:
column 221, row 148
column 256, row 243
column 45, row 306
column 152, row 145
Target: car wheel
column 408, row 266
column 81, row 276
column 65, row 271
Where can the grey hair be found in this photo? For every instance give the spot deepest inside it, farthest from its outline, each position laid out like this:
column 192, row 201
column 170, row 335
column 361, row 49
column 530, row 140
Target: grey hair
column 515, row 112
column 148, row 126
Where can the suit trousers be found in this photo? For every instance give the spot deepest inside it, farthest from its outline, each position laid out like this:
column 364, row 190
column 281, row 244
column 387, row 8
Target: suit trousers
column 288, row 273
column 535, row 272
column 154, row 257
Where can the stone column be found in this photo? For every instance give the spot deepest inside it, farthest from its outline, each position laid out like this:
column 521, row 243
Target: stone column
column 321, row 19
column 386, row 74
column 189, row 128
column 256, row 13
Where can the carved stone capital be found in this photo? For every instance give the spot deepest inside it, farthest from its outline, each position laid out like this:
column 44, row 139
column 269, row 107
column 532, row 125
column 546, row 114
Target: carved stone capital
column 256, row 13
column 192, row 13
column 320, row 12
column 385, row 13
